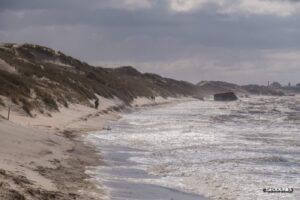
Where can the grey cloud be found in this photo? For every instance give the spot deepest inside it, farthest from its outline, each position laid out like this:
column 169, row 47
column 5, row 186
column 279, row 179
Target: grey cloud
column 189, row 45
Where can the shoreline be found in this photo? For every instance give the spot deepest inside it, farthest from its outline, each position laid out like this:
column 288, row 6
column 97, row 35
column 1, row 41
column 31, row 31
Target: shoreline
column 65, row 155
column 49, row 162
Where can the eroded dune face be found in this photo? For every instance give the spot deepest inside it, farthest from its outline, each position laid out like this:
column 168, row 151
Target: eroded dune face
column 6, row 67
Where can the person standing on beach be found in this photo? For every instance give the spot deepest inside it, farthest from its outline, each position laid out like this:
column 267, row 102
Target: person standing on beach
column 96, row 103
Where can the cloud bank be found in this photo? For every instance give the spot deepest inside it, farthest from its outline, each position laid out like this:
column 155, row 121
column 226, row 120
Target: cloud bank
column 241, row 41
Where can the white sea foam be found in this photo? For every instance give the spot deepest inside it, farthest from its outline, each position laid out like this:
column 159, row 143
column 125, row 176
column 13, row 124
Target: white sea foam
column 221, row 150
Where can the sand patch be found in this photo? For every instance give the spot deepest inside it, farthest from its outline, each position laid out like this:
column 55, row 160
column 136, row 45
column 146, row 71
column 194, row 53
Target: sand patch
column 6, row 67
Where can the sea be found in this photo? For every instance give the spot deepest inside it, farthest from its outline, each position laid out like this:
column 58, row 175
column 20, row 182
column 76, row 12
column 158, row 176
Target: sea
column 195, row 150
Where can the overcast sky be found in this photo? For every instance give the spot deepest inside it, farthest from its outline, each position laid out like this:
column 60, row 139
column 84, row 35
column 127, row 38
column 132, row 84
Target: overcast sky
column 241, row 41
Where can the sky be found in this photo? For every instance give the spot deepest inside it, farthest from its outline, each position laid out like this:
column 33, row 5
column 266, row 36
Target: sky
column 239, row 41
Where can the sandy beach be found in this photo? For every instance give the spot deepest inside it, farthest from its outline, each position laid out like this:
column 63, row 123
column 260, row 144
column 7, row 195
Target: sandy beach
column 44, row 157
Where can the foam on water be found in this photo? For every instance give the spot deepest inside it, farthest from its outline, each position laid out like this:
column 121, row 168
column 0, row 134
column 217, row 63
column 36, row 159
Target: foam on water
column 220, row 150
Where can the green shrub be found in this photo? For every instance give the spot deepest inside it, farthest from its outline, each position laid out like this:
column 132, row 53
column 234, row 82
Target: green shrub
column 49, row 101
column 47, row 98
